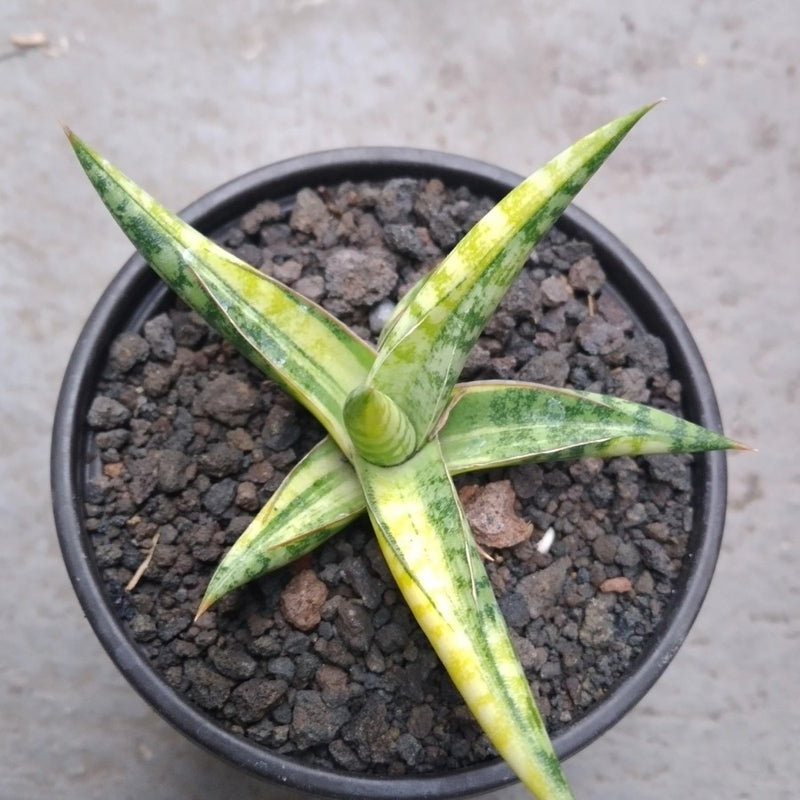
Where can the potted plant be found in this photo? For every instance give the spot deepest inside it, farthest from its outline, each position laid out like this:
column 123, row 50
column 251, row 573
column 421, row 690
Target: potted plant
column 399, row 426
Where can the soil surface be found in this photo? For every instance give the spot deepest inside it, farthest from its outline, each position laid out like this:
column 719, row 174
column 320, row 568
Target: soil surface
column 322, row 660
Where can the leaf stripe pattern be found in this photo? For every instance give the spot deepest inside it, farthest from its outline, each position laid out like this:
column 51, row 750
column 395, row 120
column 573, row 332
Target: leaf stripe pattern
column 497, row 423
column 317, row 499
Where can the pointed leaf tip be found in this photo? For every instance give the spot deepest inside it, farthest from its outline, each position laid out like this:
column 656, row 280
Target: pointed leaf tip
column 205, row 604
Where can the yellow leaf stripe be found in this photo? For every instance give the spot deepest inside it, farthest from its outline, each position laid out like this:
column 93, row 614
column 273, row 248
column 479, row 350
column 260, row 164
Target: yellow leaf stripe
column 317, row 499
column 496, row 423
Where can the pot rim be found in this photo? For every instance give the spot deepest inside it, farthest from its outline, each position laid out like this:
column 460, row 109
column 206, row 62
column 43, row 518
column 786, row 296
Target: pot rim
column 113, row 313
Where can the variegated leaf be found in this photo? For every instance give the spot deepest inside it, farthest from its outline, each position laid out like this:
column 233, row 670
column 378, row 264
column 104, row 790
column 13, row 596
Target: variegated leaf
column 426, row 344
column 317, row 358
column 318, row 498
column 427, row 543
column 495, row 423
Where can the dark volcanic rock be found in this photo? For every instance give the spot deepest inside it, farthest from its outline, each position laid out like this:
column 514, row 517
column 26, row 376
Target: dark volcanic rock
column 313, row 721
column 229, row 400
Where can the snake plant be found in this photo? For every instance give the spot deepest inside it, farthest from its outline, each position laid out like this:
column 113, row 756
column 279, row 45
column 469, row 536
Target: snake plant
column 400, row 426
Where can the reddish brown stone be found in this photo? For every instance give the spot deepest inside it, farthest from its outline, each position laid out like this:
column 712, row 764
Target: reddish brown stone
column 302, row 600
column 492, row 516
column 618, row 585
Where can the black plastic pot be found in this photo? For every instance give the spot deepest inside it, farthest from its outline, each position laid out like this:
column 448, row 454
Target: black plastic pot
column 136, row 293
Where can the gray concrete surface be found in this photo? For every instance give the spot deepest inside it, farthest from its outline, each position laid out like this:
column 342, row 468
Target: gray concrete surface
column 184, row 95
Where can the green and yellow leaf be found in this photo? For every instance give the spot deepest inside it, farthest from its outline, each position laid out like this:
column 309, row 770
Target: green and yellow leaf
column 317, row 358
column 424, row 348
column 316, row 499
column 428, row 545
column 496, row 423
column 379, row 430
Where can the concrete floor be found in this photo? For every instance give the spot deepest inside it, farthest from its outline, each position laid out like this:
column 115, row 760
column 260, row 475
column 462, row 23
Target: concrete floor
column 705, row 191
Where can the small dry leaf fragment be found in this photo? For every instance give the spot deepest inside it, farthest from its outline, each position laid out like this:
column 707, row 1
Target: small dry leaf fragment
column 27, row 40
column 618, row 585
column 113, row 469
column 137, row 576
column 492, row 516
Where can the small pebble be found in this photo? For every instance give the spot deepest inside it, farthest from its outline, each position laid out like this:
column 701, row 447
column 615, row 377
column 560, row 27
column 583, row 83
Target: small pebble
column 302, row 600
